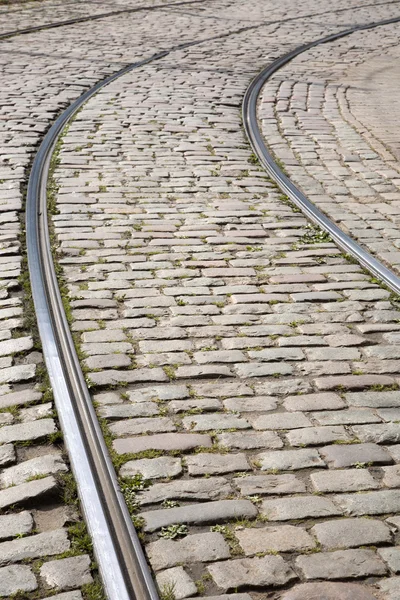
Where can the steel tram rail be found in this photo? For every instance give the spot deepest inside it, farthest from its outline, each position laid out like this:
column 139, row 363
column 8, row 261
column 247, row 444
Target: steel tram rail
column 121, row 560
column 252, row 128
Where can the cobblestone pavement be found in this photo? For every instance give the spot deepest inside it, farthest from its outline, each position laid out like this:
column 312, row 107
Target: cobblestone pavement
column 330, row 116
column 247, row 371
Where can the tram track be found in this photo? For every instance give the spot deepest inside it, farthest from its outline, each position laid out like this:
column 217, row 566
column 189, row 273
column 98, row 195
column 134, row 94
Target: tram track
column 121, row 560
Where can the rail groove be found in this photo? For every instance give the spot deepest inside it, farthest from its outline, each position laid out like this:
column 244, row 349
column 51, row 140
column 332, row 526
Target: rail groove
column 344, row 241
column 122, row 564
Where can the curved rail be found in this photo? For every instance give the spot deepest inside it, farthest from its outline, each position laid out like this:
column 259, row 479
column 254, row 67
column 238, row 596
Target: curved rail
column 254, row 134
column 121, row 561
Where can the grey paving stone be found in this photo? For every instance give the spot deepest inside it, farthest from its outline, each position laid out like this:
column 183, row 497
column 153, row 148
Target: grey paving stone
column 374, row 399
column 390, row 587
column 269, row 484
column 290, row 460
column 193, row 489
column 352, row 381
column 369, row 503
column 15, row 524
column 27, row 491
column 246, row 440
column 113, row 377
column 254, row 404
column 281, row 421
column 177, row 579
column 75, row 595
column 42, row 465
column 392, row 557
column 341, row 564
column 285, row 538
column 7, row 455
column 218, row 389
column 346, row 480
column 201, row 547
column 209, row 512
column 152, row 468
column 159, row 392
column 27, row 431
column 207, row 463
column 17, row 373
column 391, row 476
column 227, row 597
column 329, row 591
column 34, row 546
column 262, row 370
column 378, row 433
column 346, row 417
column 314, row 436
column 67, row 572
column 16, row 578
column 349, row 533
column 142, row 425
column 299, row 507
column 348, row 455
column 162, row 441
column 256, row 572
column 309, row 402
column 20, row 397
column 121, row 411
column 215, row 421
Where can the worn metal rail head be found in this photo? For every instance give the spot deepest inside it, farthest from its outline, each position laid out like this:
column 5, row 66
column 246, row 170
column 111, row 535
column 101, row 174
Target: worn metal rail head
column 118, row 551
column 344, row 241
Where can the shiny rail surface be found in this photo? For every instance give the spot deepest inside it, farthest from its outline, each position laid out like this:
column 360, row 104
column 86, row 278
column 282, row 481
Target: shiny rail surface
column 118, row 551
column 250, row 121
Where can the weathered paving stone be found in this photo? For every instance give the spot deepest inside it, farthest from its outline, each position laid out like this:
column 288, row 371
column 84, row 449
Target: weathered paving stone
column 195, row 489
column 369, row 503
column 298, row 507
column 309, row 402
column 390, row 588
column 163, row 392
column 254, row 572
column 285, row 538
column 7, row 455
column 177, row 579
column 391, row 476
column 349, row 455
column 214, row 421
column 67, row 572
column 205, row 463
column 314, row 436
column 201, row 547
column 374, row 399
column 346, row 417
column 329, row 591
column 392, row 557
column 290, row 460
column 42, row 544
column 269, row 484
column 254, row 404
column 194, row 513
column 16, row 578
column 42, row 465
column 112, row 377
column 75, row 595
column 349, row 533
column 262, row 370
column 17, row 373
column 341, row 564
column 27, row 431
column 378, row 433
column 152, row 468
column 142, row 425
column 166, row 441
column 26, row 491
column 20, row 397
column 352, row 381
column 15, row 524
column 281, row 421
column 246, row 440
column 228, row 597
column 346, row 480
